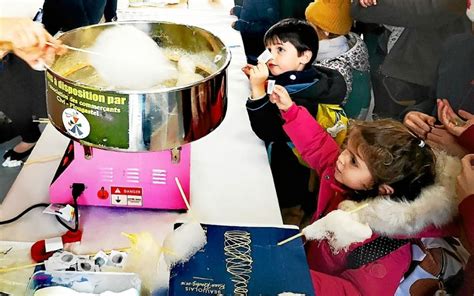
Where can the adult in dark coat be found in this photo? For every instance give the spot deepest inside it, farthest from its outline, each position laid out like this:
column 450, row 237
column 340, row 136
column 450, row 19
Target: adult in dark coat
column 455, row 83
column 65, row 15
column 24, row 89
column 408, row 72
column 255, row 17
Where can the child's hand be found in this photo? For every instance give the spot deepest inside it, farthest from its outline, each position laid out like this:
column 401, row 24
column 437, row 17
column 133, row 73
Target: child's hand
column 258, row 76
column 281, row 98
column 246, row 70
column 453, row 123
column 465, row 184
column 367, row 3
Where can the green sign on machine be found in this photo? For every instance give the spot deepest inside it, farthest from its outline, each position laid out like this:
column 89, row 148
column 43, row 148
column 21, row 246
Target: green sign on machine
column 87, row 114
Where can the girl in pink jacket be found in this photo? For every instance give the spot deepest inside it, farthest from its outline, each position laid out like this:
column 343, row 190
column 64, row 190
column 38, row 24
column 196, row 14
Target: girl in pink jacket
column 405, row 190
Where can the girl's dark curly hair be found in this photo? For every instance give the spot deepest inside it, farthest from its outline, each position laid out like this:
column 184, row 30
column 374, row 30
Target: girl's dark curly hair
column 394, row 156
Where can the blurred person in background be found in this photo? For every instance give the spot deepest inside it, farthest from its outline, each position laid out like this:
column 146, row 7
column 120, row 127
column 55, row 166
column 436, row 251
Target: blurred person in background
column 24, row 89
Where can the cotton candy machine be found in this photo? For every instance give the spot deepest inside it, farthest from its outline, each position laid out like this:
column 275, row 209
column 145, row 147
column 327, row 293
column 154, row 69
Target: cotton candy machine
column 128, row 145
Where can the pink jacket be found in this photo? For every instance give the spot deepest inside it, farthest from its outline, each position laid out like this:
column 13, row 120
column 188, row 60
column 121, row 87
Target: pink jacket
column 384, row 216
column 466, row 208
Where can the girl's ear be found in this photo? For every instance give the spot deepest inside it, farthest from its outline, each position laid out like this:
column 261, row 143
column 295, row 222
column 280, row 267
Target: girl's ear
column 385, row 189
column 305, row 57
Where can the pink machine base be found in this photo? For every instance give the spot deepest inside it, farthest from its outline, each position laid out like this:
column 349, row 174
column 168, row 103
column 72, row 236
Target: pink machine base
column 122, row 179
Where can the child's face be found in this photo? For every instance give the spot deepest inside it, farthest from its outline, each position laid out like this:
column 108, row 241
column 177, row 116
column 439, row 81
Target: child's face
column 285, row 58
column 352, row 171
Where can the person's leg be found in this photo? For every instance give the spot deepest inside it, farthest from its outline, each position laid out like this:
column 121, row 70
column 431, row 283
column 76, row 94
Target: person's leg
column 291, row 183
column 23, row 93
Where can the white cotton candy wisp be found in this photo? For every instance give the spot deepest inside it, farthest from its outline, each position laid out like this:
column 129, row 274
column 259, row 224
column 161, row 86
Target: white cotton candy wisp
column 127, row 58
column 340, row 228
column 180, row 245
column 143, row 258
column 187, row 71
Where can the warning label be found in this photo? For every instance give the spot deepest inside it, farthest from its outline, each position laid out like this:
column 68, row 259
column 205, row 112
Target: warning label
column 127, row 196
column 134, row 201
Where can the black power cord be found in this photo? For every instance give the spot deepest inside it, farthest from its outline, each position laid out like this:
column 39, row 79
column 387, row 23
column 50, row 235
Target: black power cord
column 44, row 205
column 77, row 190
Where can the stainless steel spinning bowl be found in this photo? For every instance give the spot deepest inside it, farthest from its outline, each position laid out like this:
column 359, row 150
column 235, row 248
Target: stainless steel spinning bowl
column 84, row 108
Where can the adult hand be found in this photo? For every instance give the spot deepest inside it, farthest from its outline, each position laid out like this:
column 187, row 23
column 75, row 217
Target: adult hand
column 465, row 180
column 419, row 123
column 441, row 139
column 281, row 98
column 28, row 39
column 451, row 121
column 258, row 76
column 367, row 3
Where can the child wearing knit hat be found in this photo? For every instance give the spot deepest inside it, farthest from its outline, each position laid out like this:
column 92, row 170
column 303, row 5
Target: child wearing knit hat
column 343, row 51
column 330, row 16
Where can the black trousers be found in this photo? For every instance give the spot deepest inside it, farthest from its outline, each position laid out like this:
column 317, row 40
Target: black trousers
column 291, row 179
column 22, row 97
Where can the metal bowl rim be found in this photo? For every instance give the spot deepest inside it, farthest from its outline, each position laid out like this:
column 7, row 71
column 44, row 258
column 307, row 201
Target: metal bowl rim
column 148, row 91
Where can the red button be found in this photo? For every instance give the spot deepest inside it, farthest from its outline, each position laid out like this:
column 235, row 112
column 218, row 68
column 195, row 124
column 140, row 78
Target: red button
column 102, row 193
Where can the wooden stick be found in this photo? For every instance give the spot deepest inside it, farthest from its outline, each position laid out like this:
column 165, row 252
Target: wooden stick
column 358, row 208
column 77, row 49
column 8, row 269
column 134, row 241
column 290, row 239
column 43, row 159
column 41, row 120
column 182, row 193
column 75, row 69
column 301, row 233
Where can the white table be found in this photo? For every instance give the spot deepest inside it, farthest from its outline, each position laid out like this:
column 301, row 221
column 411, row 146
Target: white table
column 231, row 181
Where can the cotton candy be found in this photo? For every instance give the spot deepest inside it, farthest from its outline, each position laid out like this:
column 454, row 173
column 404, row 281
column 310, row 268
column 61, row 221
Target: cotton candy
column 187, row 71
column 183, row 243
column 340, row 228
column 127, row 58
column 143, row 259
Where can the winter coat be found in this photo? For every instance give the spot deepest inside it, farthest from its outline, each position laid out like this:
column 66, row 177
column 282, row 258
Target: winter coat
column 355, row 59
column 256, row 16
column 465, row 212
column 65, row 15
column 308, row 88
column 429, row 215
column 466, row 139
column 428, row 23
column 293, row 9
column 455, row 81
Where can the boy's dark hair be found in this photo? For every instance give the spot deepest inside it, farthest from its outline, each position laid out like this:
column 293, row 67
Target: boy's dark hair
column 300, row 33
